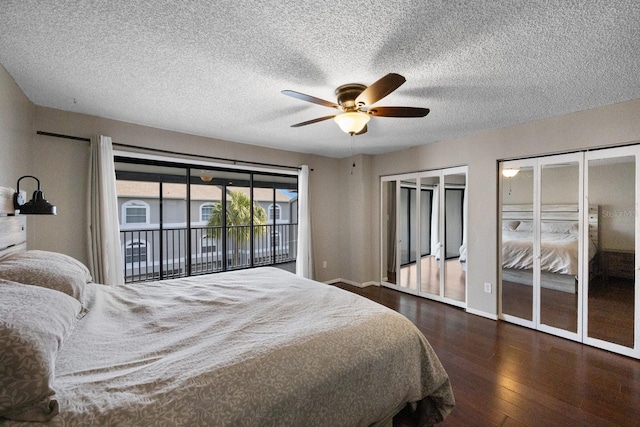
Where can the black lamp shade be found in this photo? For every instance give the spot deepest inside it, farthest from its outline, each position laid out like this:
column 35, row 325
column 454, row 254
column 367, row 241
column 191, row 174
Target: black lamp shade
column 37, row 205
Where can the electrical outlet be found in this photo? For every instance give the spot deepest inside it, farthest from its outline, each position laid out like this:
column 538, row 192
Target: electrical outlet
column 324, row 264
column 487, row 287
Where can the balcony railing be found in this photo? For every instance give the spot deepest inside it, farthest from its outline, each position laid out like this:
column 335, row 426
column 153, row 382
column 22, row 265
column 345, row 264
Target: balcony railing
column 153, row 254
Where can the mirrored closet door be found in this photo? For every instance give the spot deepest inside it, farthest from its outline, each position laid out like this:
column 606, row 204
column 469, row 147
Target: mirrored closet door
column 423, row 234
column 611, row 297
column 540, row 241
column 568, row 246
column 517, row 268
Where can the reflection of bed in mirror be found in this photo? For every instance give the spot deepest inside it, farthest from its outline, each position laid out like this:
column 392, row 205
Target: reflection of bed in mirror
column 559, row 237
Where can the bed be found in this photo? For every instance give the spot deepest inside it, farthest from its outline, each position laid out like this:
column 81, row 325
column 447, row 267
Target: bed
column 250, row 347
column 559, row 244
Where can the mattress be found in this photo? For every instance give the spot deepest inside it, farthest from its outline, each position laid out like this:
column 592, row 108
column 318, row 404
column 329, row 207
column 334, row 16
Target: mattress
column 558, row 251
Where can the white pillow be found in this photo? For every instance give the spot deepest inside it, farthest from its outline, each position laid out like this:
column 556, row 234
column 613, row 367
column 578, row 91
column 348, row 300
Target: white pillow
column 510, row 225
column 561, row 227
column 51, row 270
column 525, row 226
column 34, row 323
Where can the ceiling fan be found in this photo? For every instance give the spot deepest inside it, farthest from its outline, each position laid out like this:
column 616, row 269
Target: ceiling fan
column 355, row 103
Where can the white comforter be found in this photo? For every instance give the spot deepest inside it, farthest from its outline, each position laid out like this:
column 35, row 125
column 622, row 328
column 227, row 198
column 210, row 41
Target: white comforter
column 558, row 251
column 256, row 347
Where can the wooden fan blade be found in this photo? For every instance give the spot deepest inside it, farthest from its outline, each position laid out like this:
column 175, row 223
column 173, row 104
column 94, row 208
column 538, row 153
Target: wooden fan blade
column 398, row 111
column 380, row 89
column 310, row 98
column 308, row 122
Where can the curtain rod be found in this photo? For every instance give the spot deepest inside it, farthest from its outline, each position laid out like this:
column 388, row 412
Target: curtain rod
column 157, row 150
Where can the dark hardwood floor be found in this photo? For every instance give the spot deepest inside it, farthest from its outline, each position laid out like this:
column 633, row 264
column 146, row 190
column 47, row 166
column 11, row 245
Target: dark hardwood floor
column 610, row 304
column 507, row 375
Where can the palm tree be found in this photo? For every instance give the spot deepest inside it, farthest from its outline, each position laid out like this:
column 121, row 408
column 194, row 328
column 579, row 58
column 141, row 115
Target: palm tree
column 239, row 219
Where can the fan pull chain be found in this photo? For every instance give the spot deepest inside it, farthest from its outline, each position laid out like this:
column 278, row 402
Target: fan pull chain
column 352, row 154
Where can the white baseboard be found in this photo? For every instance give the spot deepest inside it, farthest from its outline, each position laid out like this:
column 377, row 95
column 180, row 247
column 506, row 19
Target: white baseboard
column 352, row 283
column 482, row 313
column 372, row 283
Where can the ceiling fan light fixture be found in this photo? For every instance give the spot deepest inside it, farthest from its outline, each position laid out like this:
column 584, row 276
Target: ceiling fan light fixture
column 510, row 172
column 352, row 122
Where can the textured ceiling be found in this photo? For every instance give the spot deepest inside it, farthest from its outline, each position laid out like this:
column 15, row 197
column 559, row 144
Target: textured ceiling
column 217, row 68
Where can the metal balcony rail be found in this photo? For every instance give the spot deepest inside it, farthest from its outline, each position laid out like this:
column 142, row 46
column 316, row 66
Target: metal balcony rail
column 153, row 254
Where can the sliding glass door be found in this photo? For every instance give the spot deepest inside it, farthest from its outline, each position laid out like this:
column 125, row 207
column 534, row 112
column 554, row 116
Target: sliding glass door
column 423, row 234
column 182, row 220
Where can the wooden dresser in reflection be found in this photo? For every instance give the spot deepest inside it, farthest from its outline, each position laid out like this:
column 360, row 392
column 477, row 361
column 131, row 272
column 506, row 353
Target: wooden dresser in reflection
column 618, row 263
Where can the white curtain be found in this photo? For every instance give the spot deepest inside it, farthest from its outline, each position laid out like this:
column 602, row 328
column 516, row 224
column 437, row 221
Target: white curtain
column 304, row 264
column 105, row 259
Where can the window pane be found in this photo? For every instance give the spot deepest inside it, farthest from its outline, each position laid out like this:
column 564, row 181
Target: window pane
column 136, row 252
column 136, row 215
column 274, row 212
column 206, row 212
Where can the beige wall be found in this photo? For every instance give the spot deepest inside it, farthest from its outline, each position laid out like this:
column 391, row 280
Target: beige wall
column 16, row 117
column 345, row 199
column 63, row 165
column 610, row 125
column 16, row 114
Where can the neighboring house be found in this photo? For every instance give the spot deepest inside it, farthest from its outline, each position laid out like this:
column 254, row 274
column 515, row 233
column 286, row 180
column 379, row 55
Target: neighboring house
column 146, row 251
